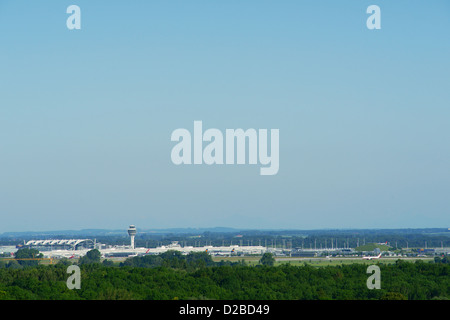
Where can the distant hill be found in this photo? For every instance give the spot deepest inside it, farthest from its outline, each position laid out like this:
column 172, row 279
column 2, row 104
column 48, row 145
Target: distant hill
column 359, row 233
column 107, row 232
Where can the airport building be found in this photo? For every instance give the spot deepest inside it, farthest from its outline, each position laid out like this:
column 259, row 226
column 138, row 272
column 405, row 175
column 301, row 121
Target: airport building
column 55, row 244
column 75, row 248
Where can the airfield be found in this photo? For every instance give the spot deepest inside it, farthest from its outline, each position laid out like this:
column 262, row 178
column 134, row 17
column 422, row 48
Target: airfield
column 313, row 261
column 249, row 254
column 321, row 261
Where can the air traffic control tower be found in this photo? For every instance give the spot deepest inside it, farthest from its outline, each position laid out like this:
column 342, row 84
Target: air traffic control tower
column 132, row 233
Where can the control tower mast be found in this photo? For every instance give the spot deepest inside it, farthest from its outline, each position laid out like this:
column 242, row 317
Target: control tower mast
column 132, row 233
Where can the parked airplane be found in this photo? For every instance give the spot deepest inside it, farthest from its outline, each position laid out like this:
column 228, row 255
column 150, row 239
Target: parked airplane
column 223, row 253
column 372, row 257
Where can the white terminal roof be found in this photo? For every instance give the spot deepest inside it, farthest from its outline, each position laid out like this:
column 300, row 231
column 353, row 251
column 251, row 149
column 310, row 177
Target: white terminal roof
column 72, row 242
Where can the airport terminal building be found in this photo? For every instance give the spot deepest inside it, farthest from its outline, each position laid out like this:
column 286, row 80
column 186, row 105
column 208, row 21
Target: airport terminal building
column 55, row 244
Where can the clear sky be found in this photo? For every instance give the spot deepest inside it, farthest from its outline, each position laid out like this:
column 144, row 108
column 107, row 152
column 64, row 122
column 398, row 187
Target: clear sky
column 86, row 115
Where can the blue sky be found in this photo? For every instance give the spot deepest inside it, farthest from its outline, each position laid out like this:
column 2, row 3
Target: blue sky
column 86, row 115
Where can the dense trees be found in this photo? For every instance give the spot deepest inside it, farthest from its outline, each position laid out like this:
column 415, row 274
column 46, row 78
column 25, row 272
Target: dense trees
column 267, row 259
column 173, row 259
column 195, row 276
column 445, row 259
column 25, row 256
column 92, row 256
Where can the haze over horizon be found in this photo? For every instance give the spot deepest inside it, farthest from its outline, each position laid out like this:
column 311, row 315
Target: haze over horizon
column 203, row 229
column 86, row 115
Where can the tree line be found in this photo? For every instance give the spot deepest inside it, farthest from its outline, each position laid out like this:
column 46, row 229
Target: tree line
column 172, row 275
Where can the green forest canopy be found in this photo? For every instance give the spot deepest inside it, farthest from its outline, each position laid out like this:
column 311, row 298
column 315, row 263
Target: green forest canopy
column 195, row 276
